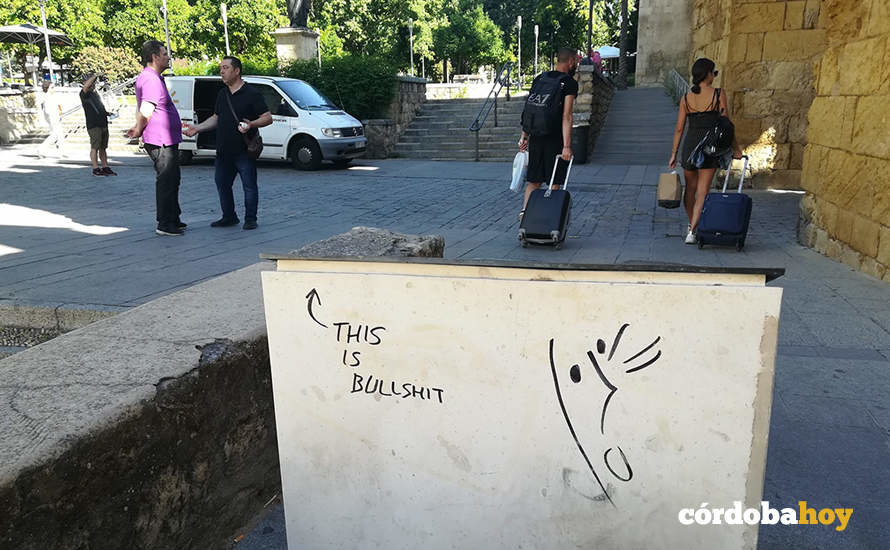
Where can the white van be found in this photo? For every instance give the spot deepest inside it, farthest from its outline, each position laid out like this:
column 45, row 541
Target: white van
column 306, row 126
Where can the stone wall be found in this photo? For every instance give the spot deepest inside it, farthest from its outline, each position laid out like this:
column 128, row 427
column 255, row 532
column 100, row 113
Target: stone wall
column 765, row 52
column 846, row 164
column 18, row 116
column 383, row 134
column 592, row 105
column 663, row 41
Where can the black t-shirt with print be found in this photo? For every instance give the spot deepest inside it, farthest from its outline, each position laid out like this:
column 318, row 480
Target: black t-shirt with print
column 249, row 104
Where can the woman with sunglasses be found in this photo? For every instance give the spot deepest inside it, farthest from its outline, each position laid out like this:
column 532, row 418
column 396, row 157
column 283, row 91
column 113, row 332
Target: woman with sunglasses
column 702, row 106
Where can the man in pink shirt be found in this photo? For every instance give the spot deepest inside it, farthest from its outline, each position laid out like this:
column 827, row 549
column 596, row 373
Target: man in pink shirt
column 159, row 125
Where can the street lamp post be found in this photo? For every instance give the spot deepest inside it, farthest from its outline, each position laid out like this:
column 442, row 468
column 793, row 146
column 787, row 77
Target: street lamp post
column 589, row 28
column 318, row 45
column 225, row 19
column 536, row 50
column 519, row 53
column 167, row 32
column 411, row 41
column 49, row 55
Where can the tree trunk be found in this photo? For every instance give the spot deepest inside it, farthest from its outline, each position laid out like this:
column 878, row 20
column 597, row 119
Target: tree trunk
column 622, row 48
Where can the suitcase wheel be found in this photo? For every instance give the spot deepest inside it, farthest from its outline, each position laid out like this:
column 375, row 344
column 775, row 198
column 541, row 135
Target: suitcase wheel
column 701, row 243
column 739, row 245
column 524, row 244
column 557, row 246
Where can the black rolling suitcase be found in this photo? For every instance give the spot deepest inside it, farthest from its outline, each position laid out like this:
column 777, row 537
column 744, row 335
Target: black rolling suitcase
column 725, row 216
column 547, row 213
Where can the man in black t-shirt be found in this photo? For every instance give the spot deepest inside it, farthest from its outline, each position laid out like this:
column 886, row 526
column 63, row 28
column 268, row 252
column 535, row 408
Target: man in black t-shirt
column 250, row 113
column 543, row 149
column 97, row 125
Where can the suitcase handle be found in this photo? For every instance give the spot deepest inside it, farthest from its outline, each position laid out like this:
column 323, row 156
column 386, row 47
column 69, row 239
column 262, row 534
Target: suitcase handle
column 741, row 179
column 565, row 184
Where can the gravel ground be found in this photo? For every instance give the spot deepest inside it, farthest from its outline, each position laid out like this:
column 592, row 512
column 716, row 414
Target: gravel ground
column 22, row 337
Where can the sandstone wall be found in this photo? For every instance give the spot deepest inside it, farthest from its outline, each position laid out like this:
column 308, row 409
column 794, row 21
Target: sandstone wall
column 765, row 51
column 846, row 164
column 663, row 41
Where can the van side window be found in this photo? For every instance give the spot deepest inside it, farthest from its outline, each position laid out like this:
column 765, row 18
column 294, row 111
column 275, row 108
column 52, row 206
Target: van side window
column 276, row 103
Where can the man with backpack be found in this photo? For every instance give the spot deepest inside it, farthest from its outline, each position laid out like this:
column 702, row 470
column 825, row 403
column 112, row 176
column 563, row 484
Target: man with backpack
column 547, row 121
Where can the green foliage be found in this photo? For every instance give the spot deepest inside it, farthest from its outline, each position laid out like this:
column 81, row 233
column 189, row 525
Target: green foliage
column 470, row 39
column 363, row 86
column 117, row 63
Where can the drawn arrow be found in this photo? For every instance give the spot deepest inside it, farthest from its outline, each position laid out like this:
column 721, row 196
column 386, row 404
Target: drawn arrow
column 313, row 295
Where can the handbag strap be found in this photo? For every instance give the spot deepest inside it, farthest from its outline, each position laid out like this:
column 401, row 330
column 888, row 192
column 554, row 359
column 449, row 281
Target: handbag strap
column 229, row 100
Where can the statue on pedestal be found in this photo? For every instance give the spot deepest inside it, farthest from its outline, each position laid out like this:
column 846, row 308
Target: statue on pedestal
column 298, row 12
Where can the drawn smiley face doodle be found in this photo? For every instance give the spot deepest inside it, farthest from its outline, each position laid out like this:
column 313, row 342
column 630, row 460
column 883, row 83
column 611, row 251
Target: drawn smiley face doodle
column 586, row 389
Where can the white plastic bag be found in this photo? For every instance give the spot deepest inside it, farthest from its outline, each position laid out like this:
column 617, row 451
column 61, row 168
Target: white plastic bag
column 520, row 165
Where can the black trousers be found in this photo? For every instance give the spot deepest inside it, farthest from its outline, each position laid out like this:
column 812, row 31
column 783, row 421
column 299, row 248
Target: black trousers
column 166, row 161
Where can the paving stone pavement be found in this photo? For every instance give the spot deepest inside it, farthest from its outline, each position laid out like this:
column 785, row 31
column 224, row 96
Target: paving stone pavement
column 830, row 426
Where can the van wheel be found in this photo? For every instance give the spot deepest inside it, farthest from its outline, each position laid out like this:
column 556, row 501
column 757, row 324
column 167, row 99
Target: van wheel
column 305, row 154
column 185, row 157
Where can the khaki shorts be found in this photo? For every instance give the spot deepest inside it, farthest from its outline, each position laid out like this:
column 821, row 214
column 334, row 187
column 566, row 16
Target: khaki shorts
column 98, row 137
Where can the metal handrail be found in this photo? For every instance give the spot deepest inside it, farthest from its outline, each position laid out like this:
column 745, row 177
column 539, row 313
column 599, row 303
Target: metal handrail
column 116, row 90
column 502, row 79
column 676, row 86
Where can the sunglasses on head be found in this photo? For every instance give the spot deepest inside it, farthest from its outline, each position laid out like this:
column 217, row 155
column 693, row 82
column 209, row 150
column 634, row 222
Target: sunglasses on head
column 715, row 72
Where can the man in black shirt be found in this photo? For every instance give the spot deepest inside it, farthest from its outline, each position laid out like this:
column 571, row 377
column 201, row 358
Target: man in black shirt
column 97, row 125
column 250, row 113
column 543, row 149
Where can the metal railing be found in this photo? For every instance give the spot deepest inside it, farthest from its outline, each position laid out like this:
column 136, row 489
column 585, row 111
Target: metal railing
column 676, row 86
column 491, row 101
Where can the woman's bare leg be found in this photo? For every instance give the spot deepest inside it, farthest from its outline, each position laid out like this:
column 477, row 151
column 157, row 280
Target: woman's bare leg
column 689, row 192
column 703, row 185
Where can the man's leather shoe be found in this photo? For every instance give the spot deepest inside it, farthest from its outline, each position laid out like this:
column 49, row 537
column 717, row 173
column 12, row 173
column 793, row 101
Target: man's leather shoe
column 225, row 222
column 250, row 224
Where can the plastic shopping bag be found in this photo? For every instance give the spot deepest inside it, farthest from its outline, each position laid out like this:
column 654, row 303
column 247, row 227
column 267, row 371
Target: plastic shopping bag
column 520, row 165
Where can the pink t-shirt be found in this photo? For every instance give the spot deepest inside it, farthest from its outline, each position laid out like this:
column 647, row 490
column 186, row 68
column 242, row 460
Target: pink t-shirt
column 164, row 127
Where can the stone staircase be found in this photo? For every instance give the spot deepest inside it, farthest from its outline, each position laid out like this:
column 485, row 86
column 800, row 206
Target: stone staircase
column 638, row 129
column 440, row 131
column 76, row 137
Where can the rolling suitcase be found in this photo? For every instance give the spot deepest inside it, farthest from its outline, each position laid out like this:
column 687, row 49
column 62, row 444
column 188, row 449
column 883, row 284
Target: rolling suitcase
column 547, row 213
column 725, row 216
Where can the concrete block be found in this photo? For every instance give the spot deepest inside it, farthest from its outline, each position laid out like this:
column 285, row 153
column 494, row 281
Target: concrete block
column 879, row 170
column 791, row 45
column 794, row 15
column 870, row 127
column 750, row 75
column 797, row 126
column 758, row 17
column 812, row 173
column 831, row 121
column 783, row 179
column 738, row 46
column 826, row 215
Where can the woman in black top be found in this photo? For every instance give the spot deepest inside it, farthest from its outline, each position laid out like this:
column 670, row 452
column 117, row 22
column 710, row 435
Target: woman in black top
column 701, row 107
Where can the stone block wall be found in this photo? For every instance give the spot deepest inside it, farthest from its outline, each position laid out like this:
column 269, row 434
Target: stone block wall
column 383, row 134
column 18, row 116
column 765, row 51
column 846, row 163
column 663, row 41
column 592, row 104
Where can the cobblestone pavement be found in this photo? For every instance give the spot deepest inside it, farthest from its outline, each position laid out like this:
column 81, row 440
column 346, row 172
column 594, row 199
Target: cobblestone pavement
column 830, row 422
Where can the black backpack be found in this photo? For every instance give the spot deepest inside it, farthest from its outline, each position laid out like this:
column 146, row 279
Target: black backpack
column 542, row 114
column 718, row 140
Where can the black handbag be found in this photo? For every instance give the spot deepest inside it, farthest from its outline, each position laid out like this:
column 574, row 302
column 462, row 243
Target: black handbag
column 254, row 143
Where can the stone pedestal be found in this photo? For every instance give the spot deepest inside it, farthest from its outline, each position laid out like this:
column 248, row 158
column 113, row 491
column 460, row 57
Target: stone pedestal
column 293, row 43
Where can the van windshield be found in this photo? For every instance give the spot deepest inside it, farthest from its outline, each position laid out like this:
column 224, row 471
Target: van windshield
column 305, row 96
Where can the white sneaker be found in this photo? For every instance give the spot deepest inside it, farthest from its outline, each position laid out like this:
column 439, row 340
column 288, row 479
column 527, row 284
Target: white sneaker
column 690, row 238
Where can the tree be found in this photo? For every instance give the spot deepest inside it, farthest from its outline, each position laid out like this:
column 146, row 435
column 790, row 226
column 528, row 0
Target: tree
column 622, row 48
column 118, row 64
column 470, row 39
